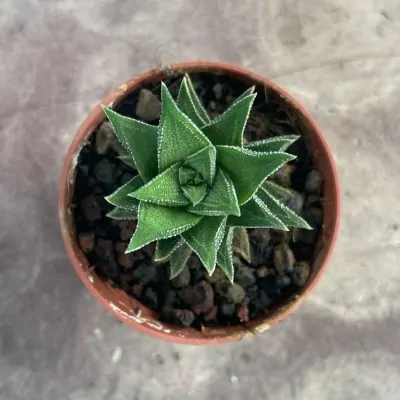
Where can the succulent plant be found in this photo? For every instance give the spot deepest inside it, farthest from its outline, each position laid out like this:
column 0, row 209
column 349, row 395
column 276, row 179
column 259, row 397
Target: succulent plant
column 197, row 181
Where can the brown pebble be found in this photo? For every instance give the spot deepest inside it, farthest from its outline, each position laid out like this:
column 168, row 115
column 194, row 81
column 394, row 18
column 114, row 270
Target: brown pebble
column 313, row 182
column 125, row 277
column 231, row 292
column 91, row 208
column 184, row 318
column 137, row 290
column 148, row 107
column 244, row 275
column 182, row 279
column 208, row 301
column 218, row 277
column 126, row 229
column 283, row 175
column 145, row 272
column 283, row 258
column 120, row 247
column 200, row 297
column 126, row 260
column 86, row 241
column 263, row 271
column 104, row 137
column 243, row 313
column 212, row 314
column 227, row 309
column 300, row 273
column 104, row 171
column 103, row 248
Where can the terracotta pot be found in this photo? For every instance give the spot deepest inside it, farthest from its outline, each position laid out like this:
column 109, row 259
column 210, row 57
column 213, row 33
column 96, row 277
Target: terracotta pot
column 131, row 311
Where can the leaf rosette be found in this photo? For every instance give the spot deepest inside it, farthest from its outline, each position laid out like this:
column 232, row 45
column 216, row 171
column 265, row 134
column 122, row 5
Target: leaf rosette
column 197, row 181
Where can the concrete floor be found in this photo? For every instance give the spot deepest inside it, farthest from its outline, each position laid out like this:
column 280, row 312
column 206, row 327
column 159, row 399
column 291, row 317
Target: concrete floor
column 341, row 58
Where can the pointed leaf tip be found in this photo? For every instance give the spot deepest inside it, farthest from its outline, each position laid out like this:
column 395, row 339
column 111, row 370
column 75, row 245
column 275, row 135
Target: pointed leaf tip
column 190, row 104
column 176, row 129
column 279, row 210
column 248, row 169
column 228, row 128
column 224, row 257
column 205, row 238
column 139, row 140
column 159, row 222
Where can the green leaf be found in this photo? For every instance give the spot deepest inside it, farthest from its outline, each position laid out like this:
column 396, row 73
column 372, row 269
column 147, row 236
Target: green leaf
column 248, row 169
column 279, row 192
column 158, row 222
column 203, row 162
column 178, row 136
column 276, row 143
column 165, row 247
column 122, row 213
column 190, row 104
column 255, row 214
column 164, row 189
column 286, row 215
column 120, row 197
column 241, row 244
column 129, row 161
column 228, row 128
column 195, row 193
column 205, row 238
column 139, row 139
column 224, row 257
column 178, row 259
column 220, row 200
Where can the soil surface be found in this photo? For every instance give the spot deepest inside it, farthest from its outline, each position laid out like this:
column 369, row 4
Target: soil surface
column 280, row 262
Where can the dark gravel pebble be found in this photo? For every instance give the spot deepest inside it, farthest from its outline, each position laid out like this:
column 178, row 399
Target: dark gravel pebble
column 281, row 281
column 104, row 137
column 212, row 314
column 104, row 171
column 183, row 279
column 313, row 182
column 184, row 318
column 243, row 313
column 301, row 273
column 200, row 298
column 283, row 258
column 125, row 178
column 145, row 272
column 86, row 241
column 150, row 298
column 120, row 247
column 296, row 202
column 231, row 293
column 91, row 208
column 126, row 260
column 126, row 229
column 137, row 290
column 148, row 107
column 227, row 309
column 244, row 276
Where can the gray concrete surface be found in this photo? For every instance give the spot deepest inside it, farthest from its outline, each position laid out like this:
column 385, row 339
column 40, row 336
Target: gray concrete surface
column 341, row 58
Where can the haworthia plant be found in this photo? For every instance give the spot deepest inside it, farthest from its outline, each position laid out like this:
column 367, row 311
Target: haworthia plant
column 197, row 182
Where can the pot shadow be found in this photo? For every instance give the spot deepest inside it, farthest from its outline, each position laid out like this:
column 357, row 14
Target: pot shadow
column 278, row 363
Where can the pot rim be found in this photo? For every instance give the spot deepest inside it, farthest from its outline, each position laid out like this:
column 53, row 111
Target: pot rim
column 142, row 318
